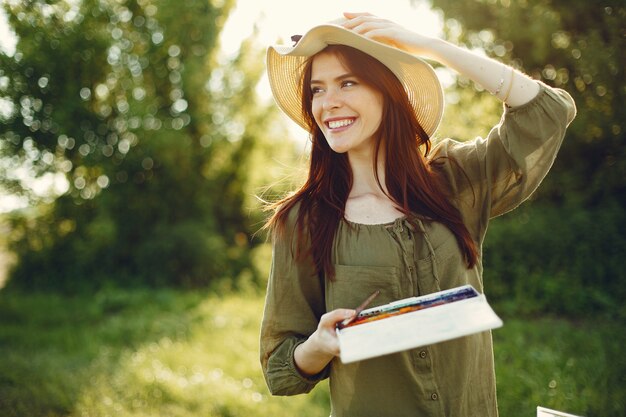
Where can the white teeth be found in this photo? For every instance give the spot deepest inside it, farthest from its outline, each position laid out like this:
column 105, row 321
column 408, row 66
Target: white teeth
column 340, row 123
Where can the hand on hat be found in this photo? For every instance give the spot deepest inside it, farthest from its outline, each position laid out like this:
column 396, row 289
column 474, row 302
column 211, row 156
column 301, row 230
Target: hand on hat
column 485, row 71
column 388, row 32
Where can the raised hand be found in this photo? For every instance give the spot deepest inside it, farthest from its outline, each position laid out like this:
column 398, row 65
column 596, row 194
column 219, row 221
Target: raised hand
column 508, row 85
column 388, row 32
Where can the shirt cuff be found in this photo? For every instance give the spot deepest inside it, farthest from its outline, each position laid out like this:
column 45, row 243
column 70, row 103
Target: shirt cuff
column 282, row 374
column 312, row 379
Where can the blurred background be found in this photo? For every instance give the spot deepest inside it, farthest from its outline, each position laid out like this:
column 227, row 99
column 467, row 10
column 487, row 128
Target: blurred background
column 137, row 138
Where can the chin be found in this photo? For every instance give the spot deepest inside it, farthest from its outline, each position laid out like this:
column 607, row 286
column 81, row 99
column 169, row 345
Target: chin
column 339, row 149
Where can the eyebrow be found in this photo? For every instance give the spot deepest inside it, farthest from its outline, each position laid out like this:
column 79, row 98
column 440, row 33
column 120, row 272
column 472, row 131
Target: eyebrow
column 339, row 78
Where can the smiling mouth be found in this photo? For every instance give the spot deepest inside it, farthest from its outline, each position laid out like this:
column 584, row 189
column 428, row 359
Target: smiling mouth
column 336, row 124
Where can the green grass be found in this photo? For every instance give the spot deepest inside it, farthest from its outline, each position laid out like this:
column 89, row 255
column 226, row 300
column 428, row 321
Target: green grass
column 563, row 365
column 167, row 353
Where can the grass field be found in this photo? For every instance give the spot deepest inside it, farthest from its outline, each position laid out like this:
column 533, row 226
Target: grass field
column 167, row 353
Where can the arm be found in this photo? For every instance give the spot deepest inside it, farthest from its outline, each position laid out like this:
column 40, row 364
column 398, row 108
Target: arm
column 507, row 84
column 298, row 339
column 501, row 171
column 312, row 356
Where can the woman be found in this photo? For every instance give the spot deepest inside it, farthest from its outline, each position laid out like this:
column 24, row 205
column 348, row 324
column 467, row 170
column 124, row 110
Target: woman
column 381, row 210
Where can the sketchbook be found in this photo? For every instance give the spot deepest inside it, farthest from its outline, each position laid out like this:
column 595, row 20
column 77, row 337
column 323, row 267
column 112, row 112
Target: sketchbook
column 416, row 321
column 546, row 412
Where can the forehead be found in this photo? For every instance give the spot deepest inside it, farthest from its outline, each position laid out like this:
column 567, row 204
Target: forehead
column 327, row 64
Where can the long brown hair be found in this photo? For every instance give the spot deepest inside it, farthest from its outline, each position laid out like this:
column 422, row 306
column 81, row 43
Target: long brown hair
column 410, row 180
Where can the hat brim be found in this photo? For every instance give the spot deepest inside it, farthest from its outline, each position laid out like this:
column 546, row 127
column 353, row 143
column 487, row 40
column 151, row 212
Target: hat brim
column 285, row 64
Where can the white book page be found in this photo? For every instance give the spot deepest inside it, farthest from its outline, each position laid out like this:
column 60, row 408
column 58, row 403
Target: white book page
column 546, row 412
column 418, row 328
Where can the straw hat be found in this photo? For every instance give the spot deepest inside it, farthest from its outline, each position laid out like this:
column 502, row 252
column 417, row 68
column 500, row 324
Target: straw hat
column 284, row 67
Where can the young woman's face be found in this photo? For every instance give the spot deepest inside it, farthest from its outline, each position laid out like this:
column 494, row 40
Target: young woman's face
column 347, row 111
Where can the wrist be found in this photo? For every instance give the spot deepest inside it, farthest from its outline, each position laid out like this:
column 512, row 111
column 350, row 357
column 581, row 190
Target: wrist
column 309, row 358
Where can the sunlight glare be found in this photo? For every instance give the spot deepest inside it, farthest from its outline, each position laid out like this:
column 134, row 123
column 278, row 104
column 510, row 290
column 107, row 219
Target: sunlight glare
column 279, row 19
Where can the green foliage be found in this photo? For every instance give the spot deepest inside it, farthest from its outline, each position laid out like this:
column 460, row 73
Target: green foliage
column 560, row 253
column 560, row 260
column 154, row 133
column 164, row 352
column 462, row 122
column 576, row 45
column 573, row 367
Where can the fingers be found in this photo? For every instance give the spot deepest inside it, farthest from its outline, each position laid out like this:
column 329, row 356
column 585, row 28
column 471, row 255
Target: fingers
column 325, row 338
column 368, row 25
column 384, row 31
column 355, row 20
column 352, row 15
column 330, row 319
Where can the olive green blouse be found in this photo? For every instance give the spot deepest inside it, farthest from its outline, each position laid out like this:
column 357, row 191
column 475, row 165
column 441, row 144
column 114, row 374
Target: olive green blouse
column 408, row 258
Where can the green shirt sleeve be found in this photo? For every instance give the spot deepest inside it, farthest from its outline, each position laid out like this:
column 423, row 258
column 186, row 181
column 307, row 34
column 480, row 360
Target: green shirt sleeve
column 493, row 175
column 293, row 306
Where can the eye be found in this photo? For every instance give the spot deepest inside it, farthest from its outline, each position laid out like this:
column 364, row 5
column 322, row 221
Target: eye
column 349, row 83
column 316, row 90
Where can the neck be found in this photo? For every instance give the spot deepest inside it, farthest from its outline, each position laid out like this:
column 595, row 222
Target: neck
column 364, row 178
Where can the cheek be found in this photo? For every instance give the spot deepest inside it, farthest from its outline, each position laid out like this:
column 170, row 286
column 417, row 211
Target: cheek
column 316, row 109
column 378, row 113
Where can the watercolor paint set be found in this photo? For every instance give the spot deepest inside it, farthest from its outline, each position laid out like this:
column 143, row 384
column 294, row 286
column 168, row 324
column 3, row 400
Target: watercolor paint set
column 414, row 322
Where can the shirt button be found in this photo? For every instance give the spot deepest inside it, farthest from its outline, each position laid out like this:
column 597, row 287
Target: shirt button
column 410, row 268
column 423, row 354
column 434, row 396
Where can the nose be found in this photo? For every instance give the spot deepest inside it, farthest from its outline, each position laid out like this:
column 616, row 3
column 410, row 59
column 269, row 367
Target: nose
column 332, row 99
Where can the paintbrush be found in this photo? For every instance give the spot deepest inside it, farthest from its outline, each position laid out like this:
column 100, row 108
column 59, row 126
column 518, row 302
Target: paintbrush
column 358, row 310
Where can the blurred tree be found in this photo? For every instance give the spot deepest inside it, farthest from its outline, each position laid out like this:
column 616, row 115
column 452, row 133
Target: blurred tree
column 579, row 46
column 576, row 45
column 129, row 101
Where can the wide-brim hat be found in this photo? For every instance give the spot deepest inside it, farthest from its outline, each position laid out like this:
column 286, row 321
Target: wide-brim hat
column 285, row 65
